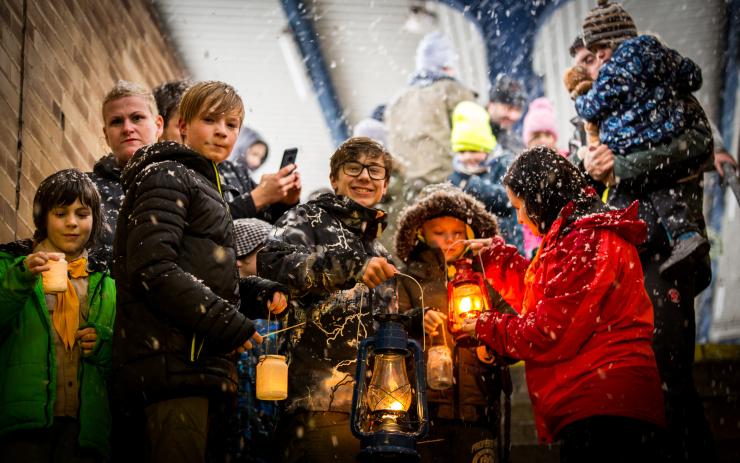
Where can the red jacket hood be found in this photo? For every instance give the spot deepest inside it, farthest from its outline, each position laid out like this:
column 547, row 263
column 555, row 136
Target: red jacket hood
column 623, row 222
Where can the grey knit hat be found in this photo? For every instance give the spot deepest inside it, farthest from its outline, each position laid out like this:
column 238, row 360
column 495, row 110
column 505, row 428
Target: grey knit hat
column 607, row 24
column 248, row 234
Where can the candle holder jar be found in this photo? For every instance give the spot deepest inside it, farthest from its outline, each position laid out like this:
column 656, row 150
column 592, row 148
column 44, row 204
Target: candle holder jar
column 54, row 280
column 272, row 377
column 439, row 368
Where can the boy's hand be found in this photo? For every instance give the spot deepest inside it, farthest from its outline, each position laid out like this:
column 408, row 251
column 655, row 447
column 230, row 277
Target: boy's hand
column 256, row 337
column 37, row 262
column 432, row 320
column 377, row 270
column 87, row 338
column 278, row 303
column 275, row 187
column 477, row 244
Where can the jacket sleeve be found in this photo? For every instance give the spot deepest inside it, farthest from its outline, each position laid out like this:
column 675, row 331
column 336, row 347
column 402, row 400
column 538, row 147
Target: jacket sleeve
column 505, row 269
column 681, row 73
column 157, row 223
column 255, row 293
column 662, row 165
column 292, row 257
column 16, row 286
column 577, row 276
column 242, row 206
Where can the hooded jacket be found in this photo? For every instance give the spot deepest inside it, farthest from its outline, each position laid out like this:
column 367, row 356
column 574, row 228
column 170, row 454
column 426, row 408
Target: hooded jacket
column 419, row 122
column 319, row 251
column 177, row 280
column 638, row 98
column 106, row 176
column 585, row 321
column 27, row 355
column 474, row 396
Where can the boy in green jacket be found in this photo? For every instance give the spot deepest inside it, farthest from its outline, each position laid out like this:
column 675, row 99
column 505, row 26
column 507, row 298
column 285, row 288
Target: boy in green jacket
column 55, row 346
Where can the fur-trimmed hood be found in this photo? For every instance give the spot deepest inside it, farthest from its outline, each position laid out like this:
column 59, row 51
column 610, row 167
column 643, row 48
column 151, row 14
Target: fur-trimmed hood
column 439, row 200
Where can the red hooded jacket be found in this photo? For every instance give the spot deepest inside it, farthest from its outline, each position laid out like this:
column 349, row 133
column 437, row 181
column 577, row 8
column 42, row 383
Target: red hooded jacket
column 585, row 321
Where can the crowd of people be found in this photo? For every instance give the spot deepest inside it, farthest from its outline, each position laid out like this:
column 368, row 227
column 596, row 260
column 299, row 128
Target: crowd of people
column 180, row 266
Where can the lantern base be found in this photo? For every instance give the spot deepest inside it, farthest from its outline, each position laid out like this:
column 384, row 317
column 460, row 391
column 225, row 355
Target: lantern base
column 388, row 447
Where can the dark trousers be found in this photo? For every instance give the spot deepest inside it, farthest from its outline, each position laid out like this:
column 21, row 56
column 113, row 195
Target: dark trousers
column 454, row 440
column 679, row 208
column 57, row 444
column 608, row 439
column 317, row 437
column 689, row 437
column 183, row 430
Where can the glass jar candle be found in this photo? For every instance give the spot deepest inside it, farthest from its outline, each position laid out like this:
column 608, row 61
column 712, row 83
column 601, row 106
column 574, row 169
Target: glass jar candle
column 439, row 368
column 272, row 377
column 54, row 280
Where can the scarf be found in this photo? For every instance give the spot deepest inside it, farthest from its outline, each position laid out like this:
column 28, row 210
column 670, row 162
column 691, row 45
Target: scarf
column 66, row 317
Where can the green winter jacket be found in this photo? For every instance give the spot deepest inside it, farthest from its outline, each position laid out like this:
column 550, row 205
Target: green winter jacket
column 27, row 357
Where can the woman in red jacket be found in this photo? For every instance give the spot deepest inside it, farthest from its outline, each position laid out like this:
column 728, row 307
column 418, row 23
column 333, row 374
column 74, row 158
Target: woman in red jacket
column 585, row 323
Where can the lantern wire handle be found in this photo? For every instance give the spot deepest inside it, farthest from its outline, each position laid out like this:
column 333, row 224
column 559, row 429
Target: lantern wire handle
column 287, row 328
column 421, row 298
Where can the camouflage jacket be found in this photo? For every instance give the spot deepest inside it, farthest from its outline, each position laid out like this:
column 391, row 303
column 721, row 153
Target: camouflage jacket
column 319, row 250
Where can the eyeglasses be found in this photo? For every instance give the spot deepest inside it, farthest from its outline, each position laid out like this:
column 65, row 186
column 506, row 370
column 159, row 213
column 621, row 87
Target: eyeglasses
column 354, row 169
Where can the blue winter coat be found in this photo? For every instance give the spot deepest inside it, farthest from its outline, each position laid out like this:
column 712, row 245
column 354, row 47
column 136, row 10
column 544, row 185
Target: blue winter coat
column 638, row 99
column 488, row 188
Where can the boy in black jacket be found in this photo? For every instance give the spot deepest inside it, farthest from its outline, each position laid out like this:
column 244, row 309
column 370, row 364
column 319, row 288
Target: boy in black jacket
column 177, row 284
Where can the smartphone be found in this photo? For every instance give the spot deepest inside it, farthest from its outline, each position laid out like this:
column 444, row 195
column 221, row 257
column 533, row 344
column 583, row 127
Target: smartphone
column 289, row 156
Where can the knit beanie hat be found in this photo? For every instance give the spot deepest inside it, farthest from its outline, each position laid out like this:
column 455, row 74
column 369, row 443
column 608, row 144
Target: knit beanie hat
column 372, row 128
column 435, row 51
column 607, row 24
column 471, row 128
column 508, row 91
column 540, row 118
column 248, row 234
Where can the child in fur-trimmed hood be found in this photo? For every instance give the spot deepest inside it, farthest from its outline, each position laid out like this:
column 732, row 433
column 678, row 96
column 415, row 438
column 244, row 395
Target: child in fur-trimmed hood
column 429, row 240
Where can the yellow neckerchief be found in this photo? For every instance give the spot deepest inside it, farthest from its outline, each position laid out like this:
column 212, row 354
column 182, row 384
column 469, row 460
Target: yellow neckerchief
column 66, row 317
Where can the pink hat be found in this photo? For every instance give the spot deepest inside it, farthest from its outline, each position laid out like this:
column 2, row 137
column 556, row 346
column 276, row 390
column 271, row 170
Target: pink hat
column 540, row 118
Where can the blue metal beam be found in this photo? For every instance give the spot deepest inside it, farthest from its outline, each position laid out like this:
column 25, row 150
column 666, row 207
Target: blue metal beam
column 732, row 69
column 308, row 45
column 508, row 28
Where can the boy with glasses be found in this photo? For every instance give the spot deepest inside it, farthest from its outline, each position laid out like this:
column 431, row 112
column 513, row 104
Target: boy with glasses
column 327, row 253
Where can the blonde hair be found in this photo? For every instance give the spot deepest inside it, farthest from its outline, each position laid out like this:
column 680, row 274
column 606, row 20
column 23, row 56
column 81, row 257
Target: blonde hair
column 212, row 96
column 123, row 89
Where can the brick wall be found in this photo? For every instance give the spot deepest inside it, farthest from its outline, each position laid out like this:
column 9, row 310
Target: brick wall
column 75, row 50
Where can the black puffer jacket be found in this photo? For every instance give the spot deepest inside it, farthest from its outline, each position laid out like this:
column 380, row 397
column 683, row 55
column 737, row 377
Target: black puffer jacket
column 319, row 251
column 106, row 176
column 176, row 278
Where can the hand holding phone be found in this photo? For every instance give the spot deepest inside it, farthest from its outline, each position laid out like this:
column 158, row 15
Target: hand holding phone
column 289, row 156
